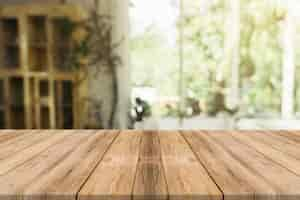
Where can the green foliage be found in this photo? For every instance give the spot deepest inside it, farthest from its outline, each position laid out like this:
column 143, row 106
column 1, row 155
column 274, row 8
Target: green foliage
column 204, row 38
column 154, row 62
column 261, row 57
column 93, row 49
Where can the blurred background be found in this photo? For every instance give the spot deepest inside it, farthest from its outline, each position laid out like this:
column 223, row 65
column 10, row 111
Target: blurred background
column 159, row 64
column 227, row 63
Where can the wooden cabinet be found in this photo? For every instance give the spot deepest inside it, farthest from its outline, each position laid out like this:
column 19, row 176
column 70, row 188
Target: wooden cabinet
column 37, row 87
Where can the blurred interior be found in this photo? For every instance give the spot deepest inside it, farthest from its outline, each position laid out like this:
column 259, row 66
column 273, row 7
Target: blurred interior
column 183, row 64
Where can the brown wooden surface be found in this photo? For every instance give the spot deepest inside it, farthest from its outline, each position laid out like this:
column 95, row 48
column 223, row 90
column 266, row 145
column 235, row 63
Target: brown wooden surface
column 96, row 165
column 150, row 179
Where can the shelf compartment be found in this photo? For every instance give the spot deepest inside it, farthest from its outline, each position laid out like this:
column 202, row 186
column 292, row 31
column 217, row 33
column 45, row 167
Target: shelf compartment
column 16, row 92
column 11, row 57
column 10, row 30
column 45, row 117
column 17, row 107
column 17, row 117
column 37, row 30
column 67, row 92
column 38, row 59
column 33, row 102
column 2, row 105
column 44, row 88
column 67, row 104
column 2, row 119
column 64, row 104
column 10, row 51
column 2, row 94
column 68, row 117
column 61, row 58
column 61, row 31
column 61, row 43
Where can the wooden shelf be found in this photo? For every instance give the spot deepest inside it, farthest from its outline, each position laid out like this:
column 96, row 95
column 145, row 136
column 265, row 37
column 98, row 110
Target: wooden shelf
column 32, row 65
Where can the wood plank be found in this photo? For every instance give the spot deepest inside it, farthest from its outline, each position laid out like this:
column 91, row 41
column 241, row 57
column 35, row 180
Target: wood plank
column 275, row 154
column 24, row 141
column 14, row 183
column 233, row 177
column 6, row 135
column 150, row 180
column 291, row 135
column 67, row 177
column 114, row 176
column 20, row 157
column 279, row 141
column 86, row 165
column 284, row 136
column 186, row 177
column 285, row 182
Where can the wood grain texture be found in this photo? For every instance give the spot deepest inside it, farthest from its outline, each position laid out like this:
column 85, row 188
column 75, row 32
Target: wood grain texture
column 150, row 180
column 14, row 183
column 285, row 183
column 234, row 178
column 186, row 177
column 257, row 142
column 111, row 165
column 297, row 133
column 20, row 143
column 20, row 157
column 66, row 178
column 6, row 135
column 291, row 135
column 114, row 176
column 281, row 141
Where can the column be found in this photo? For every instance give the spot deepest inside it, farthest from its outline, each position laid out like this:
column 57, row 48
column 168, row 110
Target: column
column 101, row 87
column 120, row 14
column 234, row 93
column 288, row 70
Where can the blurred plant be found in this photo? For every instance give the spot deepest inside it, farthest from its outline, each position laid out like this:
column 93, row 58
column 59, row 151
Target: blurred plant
column 94, row 50
column 204, row 39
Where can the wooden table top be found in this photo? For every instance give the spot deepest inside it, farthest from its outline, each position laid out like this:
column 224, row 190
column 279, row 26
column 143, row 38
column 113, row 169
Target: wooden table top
column 108, row 165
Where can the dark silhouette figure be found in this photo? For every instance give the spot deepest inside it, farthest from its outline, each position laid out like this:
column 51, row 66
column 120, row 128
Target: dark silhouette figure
column 141, row 108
